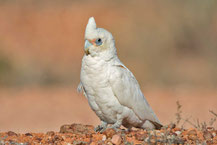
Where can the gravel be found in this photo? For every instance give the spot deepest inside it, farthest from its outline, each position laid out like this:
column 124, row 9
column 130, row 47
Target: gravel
column 84, row 134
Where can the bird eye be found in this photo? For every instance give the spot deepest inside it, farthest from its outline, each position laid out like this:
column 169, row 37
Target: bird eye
column 98, row 41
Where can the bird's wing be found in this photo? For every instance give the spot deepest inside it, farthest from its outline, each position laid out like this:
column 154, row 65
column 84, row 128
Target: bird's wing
column 126, row 88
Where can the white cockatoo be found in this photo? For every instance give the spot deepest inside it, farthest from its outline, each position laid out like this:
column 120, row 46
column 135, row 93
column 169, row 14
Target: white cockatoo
column 112, row 91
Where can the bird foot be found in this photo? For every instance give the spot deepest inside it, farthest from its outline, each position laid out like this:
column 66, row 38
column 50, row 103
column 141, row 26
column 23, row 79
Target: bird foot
column 101, row 128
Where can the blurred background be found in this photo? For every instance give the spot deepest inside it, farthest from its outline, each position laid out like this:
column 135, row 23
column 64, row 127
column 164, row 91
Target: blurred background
column 170, row 46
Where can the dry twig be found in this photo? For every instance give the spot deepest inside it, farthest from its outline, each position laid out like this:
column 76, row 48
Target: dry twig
column 179, row 112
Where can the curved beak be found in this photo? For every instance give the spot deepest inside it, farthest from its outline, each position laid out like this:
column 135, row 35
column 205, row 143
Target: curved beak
column 86, row 47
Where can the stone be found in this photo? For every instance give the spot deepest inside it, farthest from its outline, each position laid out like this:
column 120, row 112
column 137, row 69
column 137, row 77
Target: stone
column 11, row 133
column 207, row 135
column 140, row 136
column 50, row 133
column 77, row 129
column 116, row 139
column 109, row 132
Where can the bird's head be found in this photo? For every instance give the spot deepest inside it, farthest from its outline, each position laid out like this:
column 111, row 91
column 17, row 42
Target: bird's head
column 98, row 41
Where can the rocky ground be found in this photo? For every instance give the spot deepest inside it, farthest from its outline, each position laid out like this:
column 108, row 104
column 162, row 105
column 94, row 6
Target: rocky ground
column 84, row 134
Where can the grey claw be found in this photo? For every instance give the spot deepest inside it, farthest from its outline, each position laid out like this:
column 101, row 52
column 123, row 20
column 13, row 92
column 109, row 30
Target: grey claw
column 102, row 127
column 102, row 130
column 99, row 128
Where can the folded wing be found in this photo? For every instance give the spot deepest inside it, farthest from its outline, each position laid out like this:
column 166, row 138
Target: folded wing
column 127, row 90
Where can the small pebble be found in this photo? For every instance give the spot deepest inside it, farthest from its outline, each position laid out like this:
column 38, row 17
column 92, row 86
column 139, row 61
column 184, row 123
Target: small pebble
column 50, row 133
column 146, row 139
column 162, row 134
column 172, row 125
column 178, row 132
column 157, row 131
column 11, row 133
column 93, row 143
column 210, row 128
column 192, row 132
column 109, row 143
column 28, row 134
column 116, row 139
column 140, row 136
column 38, row 139
column 109, row 132
column 103, row 138
column 58, row 138
column 207, row 135
column 192, row 137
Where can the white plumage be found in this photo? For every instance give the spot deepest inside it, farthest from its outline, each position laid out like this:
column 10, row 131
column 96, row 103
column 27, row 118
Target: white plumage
column 112, row 91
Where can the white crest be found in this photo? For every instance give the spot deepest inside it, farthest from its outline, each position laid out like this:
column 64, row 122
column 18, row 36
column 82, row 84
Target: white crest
column 91, row 27
column 91, row 24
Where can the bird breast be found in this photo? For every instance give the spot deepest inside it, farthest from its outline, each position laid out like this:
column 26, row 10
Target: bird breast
column 94, row 71
column 95, row 80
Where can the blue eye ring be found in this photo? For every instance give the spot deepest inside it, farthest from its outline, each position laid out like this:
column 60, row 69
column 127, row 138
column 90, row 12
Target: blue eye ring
column 98, row 41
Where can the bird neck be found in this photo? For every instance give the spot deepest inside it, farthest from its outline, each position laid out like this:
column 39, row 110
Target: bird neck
column 108, row 55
